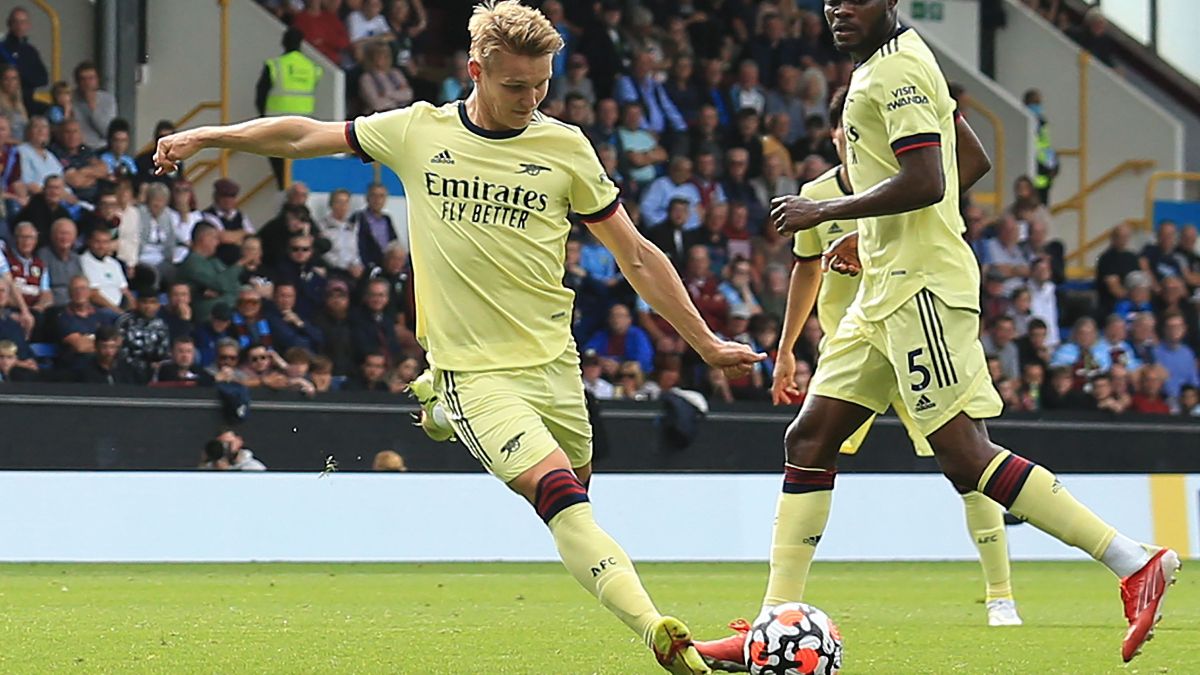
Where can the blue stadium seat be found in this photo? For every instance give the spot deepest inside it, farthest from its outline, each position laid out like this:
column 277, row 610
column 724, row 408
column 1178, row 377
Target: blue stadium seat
column 44, row 353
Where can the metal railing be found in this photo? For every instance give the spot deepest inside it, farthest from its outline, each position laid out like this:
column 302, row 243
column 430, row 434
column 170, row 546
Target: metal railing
column 55, row 39
column 996, row 196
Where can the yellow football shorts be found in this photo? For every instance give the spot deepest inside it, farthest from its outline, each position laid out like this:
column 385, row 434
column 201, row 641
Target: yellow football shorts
column 926, row 355
column 512, row 419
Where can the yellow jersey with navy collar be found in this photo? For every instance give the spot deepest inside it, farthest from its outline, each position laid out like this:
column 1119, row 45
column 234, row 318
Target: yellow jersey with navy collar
column 487, row 218
column 898, row 101
column 837, row 290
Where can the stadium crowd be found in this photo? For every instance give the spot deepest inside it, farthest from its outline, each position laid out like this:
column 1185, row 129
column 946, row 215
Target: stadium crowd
column 701, row 112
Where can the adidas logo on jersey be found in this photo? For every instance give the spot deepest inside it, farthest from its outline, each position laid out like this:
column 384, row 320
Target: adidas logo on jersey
column 924, row 404
column 442, row 157
column 835, row 229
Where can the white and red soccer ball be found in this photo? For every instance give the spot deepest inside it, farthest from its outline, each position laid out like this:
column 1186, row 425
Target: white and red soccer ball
column 794, row 639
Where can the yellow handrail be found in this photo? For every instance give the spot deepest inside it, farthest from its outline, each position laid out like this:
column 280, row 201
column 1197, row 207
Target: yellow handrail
column 1152, row 188
column 199, row 108
column 998, row 165
column 1078, row 201
column 199, row 170
column 263, row 184
column 55, row 40
column 1085, row 58
column 1079, row 253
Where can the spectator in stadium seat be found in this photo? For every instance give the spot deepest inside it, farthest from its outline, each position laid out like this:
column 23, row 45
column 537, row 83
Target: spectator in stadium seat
column 591, row 294
column 999, row 341
column 95, row 108
column 288, row 329
column 1043, row 300
column 642, row 86
column 1006, row 256
column 145, row 337
column 1138, row 295
column 1189, row 254
column 156, row 233
column 83, row 170
column 402, row 375
column 320, row 373
column 12, row 367
column 367, row 25
column 1148, row 397
column 738, row 288
column 292, row 220
column 182, row 366
column 397, row 272
column 711, row 234
column 178, row 312
column 16, row 49
column 593, row 380
column 374, row 324
column 375, row 227
column 704, row 289
column 62, row 107
column 224, row 353
column 334, row 323
column 1159, row 259
column 342, row 233
column 457, row 86
column 12, row 330
column 62, row 262
column 1084, row 355
column 1114, row 340
column 324, row 31
column 1174, row 355
column 1092, row 34
column 382, row 86
column 12, row 102
column 104, row 365
column 15, row 193
column 737, row 184
column 232, row 224
column 262, row 367
column 669, row 234
column 676, row 185
column 707, row 137
column 300, row 270
column 37, row 162
column 707, row 181
column 371, row 374
column 1143, row 336
column 1020, row 310
column 144, row 162
column 641, row 151
column 774, row 181
column 212, row 281
column 29, row 272
column 184, row 216
column 249, row 324
column 1062, row 394
column 681, row 88
column 621, row 341
column 115, row 154
column 606, row 48
column 110, row 288
column 1189, row 398
column 605, row 128
column 1039, row 245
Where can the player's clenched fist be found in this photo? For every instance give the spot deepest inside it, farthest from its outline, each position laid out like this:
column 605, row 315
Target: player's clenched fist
column 793, row 213
column 176, row 148
column 735, row 358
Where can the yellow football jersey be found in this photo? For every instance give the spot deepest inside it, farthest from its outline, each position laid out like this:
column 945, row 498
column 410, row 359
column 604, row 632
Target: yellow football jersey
column 899, row 101
column 487, row 218
column 837, row 290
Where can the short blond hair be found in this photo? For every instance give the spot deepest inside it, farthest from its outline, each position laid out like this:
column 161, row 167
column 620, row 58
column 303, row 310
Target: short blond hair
column 509, row 26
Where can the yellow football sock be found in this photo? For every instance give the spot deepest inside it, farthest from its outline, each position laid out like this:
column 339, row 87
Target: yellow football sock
column 1033, row 493
column 800, row 518
column 985, row 522
column 600, row 565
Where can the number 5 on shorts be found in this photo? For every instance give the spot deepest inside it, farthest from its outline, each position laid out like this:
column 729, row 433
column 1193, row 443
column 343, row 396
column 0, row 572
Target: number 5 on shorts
column 914, row 367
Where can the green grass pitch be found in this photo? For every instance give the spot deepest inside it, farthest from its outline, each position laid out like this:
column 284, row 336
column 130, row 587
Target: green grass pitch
column 531, row 618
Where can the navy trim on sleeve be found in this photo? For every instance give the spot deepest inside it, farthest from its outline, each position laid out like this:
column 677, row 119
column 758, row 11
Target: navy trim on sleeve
column 902, row 145
column 843, row 185
column 806, row 258
column 602, row 214
column 352, row 141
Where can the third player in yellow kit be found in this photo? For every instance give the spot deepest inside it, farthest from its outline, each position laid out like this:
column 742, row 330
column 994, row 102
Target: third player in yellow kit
column 984, row 517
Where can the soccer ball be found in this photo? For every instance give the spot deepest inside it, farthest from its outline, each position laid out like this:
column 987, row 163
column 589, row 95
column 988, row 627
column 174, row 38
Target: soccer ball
column 794, row 639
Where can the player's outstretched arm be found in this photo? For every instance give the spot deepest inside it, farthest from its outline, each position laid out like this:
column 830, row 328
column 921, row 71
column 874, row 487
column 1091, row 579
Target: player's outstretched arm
column 654, row 278
column 973, row 160
column 292, row 137
column 919, row 183
column 802, row 294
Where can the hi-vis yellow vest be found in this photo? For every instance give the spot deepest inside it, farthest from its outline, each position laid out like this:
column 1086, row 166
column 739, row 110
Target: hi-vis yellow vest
column 294, row 80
